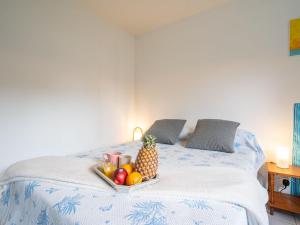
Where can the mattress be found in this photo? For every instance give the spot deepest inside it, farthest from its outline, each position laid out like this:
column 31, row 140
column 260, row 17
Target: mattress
column 197, row 187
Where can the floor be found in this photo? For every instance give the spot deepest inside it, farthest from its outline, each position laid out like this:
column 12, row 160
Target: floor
column 281, row 218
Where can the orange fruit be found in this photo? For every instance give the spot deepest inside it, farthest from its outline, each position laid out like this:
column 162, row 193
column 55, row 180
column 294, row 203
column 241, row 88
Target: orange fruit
column 134, row 178
column 128, row 168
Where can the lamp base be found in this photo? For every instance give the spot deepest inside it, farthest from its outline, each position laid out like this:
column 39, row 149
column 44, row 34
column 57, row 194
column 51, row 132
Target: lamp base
column 283, row 165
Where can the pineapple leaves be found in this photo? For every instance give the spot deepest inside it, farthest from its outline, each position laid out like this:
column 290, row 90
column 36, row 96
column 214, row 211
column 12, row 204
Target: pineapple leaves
column 149, row 141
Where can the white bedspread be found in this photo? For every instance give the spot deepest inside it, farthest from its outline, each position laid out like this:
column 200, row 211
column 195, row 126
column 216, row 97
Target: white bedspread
column 187, row 185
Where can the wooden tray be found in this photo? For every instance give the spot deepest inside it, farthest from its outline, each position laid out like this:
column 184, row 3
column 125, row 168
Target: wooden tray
column 124, row 188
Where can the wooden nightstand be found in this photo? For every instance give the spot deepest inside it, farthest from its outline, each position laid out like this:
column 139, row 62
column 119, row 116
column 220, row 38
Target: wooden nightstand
column 279, row 200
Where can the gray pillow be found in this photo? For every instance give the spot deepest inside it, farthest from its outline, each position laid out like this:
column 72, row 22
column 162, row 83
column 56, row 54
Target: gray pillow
column 166, row 131
column 214, row 135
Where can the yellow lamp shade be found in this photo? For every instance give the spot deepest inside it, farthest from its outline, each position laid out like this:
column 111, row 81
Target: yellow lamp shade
column 282, row 157
column 137, row 134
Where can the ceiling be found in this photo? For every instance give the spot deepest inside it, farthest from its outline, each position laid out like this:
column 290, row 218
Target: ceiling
column 140, row 16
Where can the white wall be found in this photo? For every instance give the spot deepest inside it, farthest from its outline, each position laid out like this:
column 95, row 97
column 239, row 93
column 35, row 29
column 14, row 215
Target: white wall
column 230, row 63
column 66, row 80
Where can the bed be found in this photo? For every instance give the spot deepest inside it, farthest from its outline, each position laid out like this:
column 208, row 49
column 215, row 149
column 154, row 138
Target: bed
column 196, row 187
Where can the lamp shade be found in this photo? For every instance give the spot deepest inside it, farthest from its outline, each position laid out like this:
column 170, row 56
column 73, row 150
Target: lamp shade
column 282, row 157
column 137, row 134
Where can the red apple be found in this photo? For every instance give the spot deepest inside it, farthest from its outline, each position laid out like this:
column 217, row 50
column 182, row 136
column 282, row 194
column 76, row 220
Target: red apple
column 120, row 176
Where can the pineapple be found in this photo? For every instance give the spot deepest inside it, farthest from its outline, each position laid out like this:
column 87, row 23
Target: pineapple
column 147, row 159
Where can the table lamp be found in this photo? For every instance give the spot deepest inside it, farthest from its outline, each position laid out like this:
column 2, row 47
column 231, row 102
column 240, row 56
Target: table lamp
column 282, row 157
column 137, row 134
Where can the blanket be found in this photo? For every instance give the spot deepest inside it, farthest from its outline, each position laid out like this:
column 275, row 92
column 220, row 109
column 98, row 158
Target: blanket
column 223, row 184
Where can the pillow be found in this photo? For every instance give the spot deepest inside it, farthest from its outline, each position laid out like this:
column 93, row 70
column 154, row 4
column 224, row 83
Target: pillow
column 166, row 131
column 214, row 135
